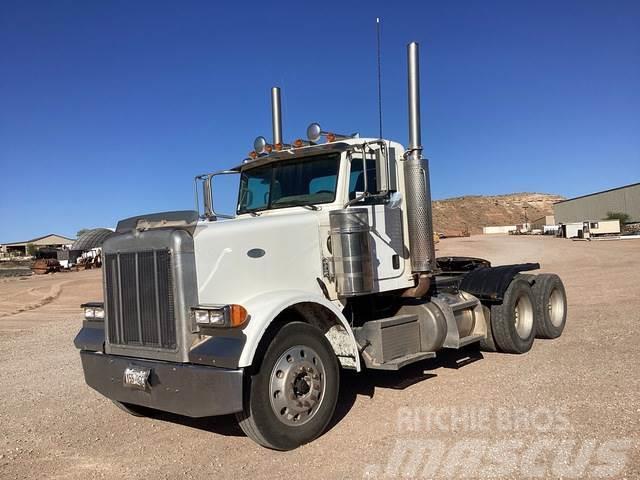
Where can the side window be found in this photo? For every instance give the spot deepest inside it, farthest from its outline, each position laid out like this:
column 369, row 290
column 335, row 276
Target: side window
column 322, row 184
column 254, row 190
column 356, row 177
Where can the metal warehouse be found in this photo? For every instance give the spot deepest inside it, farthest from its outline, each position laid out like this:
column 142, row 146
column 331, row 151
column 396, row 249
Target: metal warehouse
column 20, row 248
column 596, row 206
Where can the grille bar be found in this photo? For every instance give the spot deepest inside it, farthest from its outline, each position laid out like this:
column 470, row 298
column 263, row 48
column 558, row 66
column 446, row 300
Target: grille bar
column 139, row 299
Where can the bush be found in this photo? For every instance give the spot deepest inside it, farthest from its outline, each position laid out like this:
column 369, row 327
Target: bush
column 623, row 217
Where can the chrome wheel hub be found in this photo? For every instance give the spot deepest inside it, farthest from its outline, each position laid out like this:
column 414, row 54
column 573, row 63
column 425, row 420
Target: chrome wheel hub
column 523, row 316
column 297, row 385
column 556, row 307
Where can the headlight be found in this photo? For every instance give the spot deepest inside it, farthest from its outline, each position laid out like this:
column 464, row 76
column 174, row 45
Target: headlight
column 220, row 316
column 201, row 316
column 93, row 311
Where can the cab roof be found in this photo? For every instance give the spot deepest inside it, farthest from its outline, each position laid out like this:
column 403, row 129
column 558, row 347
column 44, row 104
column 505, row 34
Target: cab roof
column 305, row 151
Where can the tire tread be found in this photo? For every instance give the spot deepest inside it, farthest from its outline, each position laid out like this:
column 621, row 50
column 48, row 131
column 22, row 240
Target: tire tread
column 502, row 325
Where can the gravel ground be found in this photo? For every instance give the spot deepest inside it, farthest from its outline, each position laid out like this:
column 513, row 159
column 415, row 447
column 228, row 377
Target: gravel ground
column 569, row 408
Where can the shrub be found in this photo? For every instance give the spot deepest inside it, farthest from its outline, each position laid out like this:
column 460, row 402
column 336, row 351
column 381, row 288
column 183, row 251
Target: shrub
column 623, row 217
column 31, row 249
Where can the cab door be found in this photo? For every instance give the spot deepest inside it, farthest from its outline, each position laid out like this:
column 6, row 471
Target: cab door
column 387, row 243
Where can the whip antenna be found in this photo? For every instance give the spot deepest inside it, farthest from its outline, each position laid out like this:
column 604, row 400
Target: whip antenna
column 379, row 76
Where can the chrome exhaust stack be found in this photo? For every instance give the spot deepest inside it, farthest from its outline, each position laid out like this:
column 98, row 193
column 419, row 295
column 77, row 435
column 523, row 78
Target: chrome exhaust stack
column 276, row 115
column 416, row 178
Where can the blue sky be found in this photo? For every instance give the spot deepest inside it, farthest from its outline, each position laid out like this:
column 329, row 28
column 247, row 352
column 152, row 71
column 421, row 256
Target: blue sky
column 108, row 109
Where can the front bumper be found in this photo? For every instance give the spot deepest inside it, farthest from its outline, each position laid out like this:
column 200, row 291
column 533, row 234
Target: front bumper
column 182, row 388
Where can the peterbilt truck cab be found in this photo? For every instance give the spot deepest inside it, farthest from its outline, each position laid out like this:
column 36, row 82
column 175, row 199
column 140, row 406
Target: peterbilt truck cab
column 327, row 264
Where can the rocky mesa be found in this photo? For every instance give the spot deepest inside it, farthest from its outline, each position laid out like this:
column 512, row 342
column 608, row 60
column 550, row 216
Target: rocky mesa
column 454, row 216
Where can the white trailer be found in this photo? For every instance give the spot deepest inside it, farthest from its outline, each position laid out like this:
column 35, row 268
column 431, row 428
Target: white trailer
column 501, row 229
column 601, row 227
column 572, row 230
column 328, row 263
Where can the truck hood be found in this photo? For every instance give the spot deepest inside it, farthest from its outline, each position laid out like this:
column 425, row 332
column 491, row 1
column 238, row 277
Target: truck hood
column 244, row 257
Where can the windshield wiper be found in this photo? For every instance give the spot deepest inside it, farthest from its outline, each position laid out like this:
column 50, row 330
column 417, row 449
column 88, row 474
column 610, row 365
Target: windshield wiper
column 254, row 212
column 310, row 206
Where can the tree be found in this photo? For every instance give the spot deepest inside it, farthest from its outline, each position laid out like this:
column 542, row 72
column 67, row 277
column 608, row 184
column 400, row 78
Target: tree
column 623, row 217
column 31, row 249
column 82, row 231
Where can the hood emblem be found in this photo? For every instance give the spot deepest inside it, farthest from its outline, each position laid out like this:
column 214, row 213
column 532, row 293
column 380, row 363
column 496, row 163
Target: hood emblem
column 256, row 253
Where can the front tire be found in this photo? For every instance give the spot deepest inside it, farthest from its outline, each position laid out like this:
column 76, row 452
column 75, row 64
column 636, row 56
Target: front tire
column 513, row 321
column 292, row 397
column 134, row 410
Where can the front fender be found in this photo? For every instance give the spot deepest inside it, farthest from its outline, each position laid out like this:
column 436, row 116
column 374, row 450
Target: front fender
column 264, row 308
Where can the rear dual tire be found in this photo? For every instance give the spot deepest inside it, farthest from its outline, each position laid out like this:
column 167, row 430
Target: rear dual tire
column 513, row 322
column 551, row 305
column 533, row 306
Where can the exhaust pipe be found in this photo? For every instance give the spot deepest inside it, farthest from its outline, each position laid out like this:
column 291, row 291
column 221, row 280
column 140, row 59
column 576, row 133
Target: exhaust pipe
column 416, row 178
column 276, row 116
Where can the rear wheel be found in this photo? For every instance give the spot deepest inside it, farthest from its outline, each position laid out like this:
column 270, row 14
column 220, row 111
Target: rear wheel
column 513, row 321
column 293, row 395
column 551, row 305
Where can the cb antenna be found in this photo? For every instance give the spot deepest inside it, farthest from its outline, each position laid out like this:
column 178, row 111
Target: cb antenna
column 379, row 76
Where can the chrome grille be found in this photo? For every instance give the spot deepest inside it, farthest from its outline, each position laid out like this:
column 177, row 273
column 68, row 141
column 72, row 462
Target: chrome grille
column 139, row 299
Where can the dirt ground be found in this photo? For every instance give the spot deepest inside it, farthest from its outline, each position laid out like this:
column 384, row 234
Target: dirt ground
column 569, row 408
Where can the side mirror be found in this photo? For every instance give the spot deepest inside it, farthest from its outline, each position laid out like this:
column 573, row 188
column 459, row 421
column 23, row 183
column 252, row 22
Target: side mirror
column 314, row 132
column 207, row 197
column 207, row 194
column 385, row 169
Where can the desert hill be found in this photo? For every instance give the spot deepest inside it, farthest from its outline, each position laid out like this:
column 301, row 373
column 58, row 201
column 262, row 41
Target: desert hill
column 453, row 216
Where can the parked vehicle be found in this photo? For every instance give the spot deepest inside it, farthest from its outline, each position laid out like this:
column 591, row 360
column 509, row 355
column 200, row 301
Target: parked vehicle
column 328, row 264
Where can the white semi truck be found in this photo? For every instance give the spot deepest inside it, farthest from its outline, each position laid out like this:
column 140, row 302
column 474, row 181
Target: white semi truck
column 327, row 264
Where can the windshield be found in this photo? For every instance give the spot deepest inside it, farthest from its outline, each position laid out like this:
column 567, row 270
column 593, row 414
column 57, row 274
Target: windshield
column 307, row 181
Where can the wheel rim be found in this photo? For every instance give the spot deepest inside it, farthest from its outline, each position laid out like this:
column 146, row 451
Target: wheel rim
column 556, row 307
column 523, row 316
column 297, row 385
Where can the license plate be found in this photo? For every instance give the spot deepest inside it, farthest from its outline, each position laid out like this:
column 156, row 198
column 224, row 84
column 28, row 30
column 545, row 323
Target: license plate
column 136, row 377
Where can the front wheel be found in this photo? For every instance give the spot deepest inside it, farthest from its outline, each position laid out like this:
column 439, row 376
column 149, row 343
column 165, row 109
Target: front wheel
column 134, row 410
column 292, row 396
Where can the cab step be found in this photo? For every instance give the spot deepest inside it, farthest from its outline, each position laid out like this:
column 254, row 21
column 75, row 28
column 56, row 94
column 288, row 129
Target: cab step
column 464, row 341
column 391, row 343
column 397, row 363
column 471, row 303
